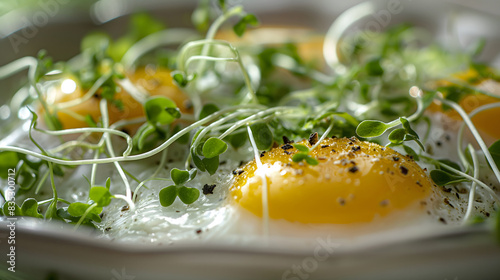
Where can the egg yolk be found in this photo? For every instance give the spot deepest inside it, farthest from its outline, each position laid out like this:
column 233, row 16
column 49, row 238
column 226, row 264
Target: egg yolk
column 485, row 121
column 309, row 44
column 354, row 182
column 156, row 82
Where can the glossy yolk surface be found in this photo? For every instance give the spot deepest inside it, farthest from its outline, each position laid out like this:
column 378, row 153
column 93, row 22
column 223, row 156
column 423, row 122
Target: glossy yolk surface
column 156, row 82
column 354, row 182
column 485, row 121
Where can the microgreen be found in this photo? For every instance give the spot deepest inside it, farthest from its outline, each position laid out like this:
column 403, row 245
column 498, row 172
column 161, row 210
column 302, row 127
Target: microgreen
column 303, row 155
column 187, row 195
column 263, row 136
column 442, row 178
column 208, row 110
column 157, row 110
column 213, row 147
column 241, row 26
column 495, row 152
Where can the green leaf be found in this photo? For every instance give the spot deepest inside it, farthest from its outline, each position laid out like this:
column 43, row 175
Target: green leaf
column 51, row 212
column 30, row 208
column 27, row 178
column 201, row 16
column 167, row 195
column 142, row 134
column 450, row 163
column 262, row 135
column 90, row 121
column 101, row 196
column 213, row 147
column 207, row 110
column 197, row 161
column 156, row 110
column 174, row 112
column 108, row 183
column 298, row 157
column 192, row 174
column 8, row 160
column 374, row 68
column 407, row 127
column 311, row 161
column 77, row 209
column 237, row 140
column 179, row 176
column 241, row 26
column 494, row 150
column 409, row 137
column 180, row 79
column 397, row 136
column 442, row 178
column 211, row 164
column 411, row 152
column 301, row 148
column 371, row 128
column 188, row 195
column 11, row 209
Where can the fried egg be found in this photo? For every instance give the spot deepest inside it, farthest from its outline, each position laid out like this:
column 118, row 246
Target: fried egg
column 358, row 189
column 354, row 182
column 155, row 81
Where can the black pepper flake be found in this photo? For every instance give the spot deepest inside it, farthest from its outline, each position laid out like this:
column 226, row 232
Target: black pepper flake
column 487, row 214
column 395, row 158
column 107, row 229
column 287, row 152
column 241, row 163
column 238, row 171
column 446, row 190
column 350, row 143
column 208, row 189
column 341, row 201
column 287, row 147
column 448, row 202
column 404, row 170
column 313, row 138
column 438, row 143
column 356, row 148
column 286, row 140
column 262, row 154
column 333, row 150
column 325, row 146
column 96, row 95
column 353, row 169
column 223, row 162
column 334, row 137
column 188, row 104
column 457, row 195
column 353, row 139
column 125, row 208
column 198, row 231
column 442, row 220
column 447, row 137
column 419, row 184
